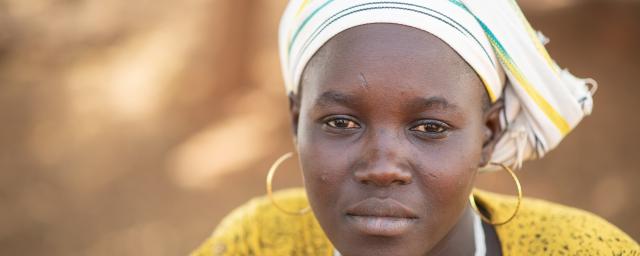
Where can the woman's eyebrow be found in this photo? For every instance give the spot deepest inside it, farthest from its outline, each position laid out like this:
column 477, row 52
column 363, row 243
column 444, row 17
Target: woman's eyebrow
column 434, row 102
column 332, row 97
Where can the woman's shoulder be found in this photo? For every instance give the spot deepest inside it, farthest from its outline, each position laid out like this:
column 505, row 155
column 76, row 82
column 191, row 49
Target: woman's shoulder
column 545, row 228
column 259, row 228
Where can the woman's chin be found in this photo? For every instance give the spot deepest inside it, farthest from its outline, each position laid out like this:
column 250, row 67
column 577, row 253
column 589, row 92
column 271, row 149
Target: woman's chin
column 372, row 246
column 379, row 236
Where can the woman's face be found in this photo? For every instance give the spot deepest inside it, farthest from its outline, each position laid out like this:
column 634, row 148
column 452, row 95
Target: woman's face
column 390, row 127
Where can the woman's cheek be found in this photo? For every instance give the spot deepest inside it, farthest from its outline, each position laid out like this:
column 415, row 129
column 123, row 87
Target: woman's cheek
column 322, row 162
column 447, row 170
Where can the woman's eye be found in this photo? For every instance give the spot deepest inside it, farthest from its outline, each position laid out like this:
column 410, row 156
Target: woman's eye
column 433, row 127
column 342, row 123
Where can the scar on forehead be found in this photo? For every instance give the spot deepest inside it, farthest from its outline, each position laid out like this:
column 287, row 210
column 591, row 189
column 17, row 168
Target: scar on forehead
column 364, row 84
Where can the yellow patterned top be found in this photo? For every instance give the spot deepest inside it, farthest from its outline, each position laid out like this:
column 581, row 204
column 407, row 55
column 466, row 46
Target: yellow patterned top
column 540, row 228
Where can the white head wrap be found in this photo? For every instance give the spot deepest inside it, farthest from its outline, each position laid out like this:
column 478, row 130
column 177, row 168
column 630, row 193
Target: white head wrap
column 543, row 103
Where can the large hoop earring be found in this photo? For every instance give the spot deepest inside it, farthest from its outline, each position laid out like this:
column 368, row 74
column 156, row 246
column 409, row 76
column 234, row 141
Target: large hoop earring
column 272, row 172
column 518, row 186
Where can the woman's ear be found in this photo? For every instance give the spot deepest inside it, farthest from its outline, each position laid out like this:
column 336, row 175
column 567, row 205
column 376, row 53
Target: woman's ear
column 294, row 110
column 493, row 131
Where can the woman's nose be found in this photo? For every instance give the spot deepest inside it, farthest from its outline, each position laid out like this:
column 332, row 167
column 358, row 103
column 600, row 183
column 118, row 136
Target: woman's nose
column 384, row 165
column 383, row 162
column 383, row 175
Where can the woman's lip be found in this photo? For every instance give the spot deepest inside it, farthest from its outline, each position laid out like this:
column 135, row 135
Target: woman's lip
column 381, row 226
column 377, row 207
column 381, row 217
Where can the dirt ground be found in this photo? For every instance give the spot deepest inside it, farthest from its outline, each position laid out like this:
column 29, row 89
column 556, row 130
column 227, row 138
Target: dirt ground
column 133, row 127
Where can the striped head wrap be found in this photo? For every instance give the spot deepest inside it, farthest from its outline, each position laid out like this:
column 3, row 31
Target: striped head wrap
column 543, row 102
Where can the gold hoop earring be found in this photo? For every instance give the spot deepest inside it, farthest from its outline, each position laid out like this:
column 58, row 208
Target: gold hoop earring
column 272, row 171
column 518, row 186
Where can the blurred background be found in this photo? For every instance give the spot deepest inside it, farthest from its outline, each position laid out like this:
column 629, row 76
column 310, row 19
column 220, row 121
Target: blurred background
column 133, row 127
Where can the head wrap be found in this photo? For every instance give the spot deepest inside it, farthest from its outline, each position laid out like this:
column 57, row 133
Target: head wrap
column 543, row 102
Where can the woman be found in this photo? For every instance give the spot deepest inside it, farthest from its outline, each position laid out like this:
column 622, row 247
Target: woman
column 396, row 106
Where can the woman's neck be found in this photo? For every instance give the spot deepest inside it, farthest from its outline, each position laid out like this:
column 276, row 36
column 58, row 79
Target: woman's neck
column 461, row 240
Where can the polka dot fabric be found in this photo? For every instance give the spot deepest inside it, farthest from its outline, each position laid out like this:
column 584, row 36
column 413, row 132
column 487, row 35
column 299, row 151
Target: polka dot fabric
column 543, row 228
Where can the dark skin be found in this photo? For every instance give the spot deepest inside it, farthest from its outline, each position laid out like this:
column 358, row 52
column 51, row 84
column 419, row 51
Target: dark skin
column 391, row 129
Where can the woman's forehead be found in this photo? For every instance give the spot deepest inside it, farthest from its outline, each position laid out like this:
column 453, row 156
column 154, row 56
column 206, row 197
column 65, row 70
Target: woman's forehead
column 388, row 37
column 389, row 57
